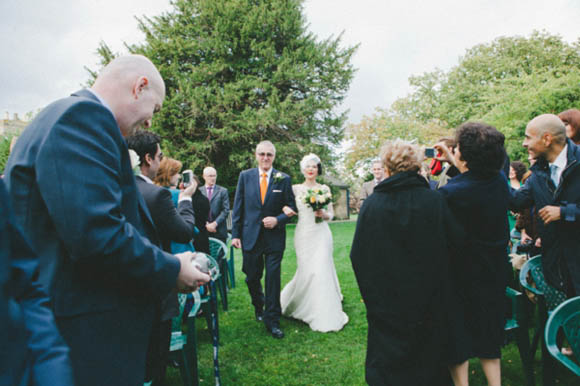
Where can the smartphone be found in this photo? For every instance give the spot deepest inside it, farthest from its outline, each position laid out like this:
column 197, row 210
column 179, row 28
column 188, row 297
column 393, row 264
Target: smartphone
column 429, row 152
column 186, row 178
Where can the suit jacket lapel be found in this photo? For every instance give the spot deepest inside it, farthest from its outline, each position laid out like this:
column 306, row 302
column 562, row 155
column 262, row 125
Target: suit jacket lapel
column 270, row 185
column 145, row 210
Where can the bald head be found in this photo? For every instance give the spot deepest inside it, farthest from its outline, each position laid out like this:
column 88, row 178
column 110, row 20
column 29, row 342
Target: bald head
column 545, row 137
column 133, row 89
column 550, row 124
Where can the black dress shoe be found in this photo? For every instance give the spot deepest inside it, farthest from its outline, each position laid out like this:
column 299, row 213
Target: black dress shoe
column 259, row 315
column 276, row 332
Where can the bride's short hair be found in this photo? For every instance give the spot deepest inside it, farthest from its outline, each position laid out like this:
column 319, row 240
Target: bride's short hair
column 310, row 159
column 401, row 156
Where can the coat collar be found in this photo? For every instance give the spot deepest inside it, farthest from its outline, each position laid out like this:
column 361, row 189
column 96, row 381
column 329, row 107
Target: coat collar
column 403, row 180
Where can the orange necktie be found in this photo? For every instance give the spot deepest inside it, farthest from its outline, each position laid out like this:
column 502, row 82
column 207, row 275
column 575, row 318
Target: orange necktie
column 263, row 186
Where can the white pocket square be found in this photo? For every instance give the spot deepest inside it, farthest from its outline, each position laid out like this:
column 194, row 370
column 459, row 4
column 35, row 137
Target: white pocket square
column 276, row 191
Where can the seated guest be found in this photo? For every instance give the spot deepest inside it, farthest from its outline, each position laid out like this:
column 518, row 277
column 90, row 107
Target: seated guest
column 168, row 174
column 171, row 225
column 527, row 222
column 219, row 205
column 168, row 177
column 571, row 119
column 33, row 352
column 478, row 198
column 404, row 290
column 517, row 170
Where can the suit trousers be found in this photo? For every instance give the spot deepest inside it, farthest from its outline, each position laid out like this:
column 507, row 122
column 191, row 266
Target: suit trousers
column 253, row 266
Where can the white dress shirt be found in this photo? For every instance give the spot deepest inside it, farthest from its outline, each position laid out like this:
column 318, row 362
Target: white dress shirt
column 560, row 162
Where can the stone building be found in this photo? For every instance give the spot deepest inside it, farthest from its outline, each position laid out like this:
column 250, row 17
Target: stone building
column 9, row 127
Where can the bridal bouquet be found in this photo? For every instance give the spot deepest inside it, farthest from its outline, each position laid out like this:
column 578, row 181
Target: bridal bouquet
column 318, row 198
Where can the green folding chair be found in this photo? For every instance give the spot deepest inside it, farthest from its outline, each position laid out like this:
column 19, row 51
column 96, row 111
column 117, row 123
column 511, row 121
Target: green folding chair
column 219, row 250
column 183, row 346
column 566, row 317
column 517, row 324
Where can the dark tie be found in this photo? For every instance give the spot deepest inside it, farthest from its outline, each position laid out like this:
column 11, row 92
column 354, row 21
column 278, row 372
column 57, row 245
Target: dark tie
column 209, row 194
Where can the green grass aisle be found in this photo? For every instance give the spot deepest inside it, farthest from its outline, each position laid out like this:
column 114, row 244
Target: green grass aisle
column 250, row 356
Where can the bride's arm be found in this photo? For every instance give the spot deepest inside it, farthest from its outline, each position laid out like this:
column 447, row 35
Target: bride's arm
column 329, row 212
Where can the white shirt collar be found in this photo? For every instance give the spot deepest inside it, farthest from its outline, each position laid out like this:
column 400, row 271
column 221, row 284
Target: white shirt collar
column 269, row 173
column 100, row 99
column 145, row 178
column 562, row 159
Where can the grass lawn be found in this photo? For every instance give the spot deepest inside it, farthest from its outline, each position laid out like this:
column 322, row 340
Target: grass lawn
column 250, row 356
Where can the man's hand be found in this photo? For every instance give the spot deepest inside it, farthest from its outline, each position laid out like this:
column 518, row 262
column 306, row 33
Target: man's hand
column 189, row 191
column 237, row 243
column 524, row 238
column 550, row 213
column 270, row 222
column 288, row 211
column 211, row 227
column 189, row 277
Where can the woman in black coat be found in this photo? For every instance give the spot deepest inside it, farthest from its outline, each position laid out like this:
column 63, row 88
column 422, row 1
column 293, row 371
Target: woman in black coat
column 478, row 197
column 400, row 259
column 200, row 205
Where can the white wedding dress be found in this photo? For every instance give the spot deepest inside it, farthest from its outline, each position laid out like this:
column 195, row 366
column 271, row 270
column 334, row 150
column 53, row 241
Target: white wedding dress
column 313, row 295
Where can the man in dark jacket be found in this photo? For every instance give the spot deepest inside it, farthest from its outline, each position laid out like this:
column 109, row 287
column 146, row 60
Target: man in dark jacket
column 172, row 225
column 554, row 188
column 33, row 351
column 74, row 196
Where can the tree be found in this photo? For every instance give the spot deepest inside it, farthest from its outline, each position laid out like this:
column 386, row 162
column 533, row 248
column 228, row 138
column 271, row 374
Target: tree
column 241, row 71
column 504, row 83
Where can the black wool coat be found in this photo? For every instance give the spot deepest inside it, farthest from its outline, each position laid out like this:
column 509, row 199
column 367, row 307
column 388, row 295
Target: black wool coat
column 400, row 255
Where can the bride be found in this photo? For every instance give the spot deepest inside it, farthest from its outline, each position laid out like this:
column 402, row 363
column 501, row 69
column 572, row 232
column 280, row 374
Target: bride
column 313, row 295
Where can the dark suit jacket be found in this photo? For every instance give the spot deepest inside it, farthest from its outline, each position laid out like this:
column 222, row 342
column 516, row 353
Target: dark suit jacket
column 249, row 211
column 172, row 225
column 32, row 349
column 74, row 195
column 201, row 210
column 220, row 208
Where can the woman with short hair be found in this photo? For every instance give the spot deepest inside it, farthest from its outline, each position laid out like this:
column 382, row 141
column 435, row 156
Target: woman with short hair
column 478, row 198
column 400, row 258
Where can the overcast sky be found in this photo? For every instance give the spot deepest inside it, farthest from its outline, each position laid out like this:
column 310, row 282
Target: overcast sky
column 46, row 44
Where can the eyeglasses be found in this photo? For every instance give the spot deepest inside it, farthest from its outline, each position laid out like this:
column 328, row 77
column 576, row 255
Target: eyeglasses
column 269, row 155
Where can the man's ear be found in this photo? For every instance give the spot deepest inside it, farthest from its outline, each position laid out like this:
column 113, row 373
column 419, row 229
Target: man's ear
column 140, row 85
column 148, row 160
column 547, row 138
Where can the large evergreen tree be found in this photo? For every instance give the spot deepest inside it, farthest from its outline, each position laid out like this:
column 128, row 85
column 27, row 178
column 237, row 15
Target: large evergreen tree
column 241, row 71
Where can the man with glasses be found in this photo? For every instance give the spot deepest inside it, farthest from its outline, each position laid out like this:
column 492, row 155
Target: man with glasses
column 259, row 228
column 219, row 205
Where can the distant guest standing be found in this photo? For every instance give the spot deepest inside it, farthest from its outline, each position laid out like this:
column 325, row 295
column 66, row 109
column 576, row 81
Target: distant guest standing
column 219, row 205
column 378, row 174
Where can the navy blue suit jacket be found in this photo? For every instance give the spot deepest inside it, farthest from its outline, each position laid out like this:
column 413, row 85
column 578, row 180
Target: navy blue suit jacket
column 32, row 351
column 74, row 195
column 249, row 211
